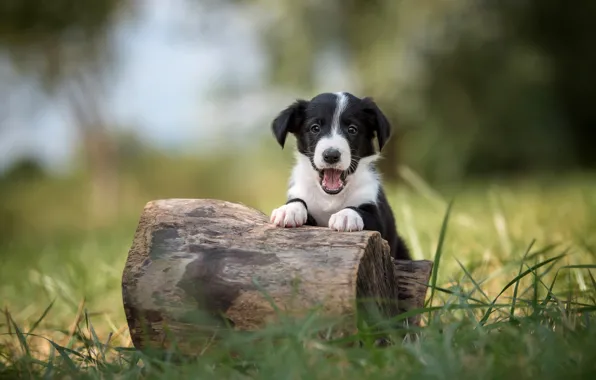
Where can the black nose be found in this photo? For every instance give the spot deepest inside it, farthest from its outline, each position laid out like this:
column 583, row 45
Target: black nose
column 331, row 156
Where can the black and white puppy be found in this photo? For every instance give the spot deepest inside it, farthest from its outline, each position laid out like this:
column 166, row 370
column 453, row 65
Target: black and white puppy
column 334, row 182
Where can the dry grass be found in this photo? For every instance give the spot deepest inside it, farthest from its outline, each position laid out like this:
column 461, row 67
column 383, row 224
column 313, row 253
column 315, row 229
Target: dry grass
column 514, row 295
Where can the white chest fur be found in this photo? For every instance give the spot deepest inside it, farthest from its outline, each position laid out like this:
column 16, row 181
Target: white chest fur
column 361, row 187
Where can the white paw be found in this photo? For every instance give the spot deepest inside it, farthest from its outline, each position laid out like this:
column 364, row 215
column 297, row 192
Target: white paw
column 291, row 215
column 346, row 220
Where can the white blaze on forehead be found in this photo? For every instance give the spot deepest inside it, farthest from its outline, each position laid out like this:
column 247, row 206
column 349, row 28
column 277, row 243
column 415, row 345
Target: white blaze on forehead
column 340, row 107
column 335, row 139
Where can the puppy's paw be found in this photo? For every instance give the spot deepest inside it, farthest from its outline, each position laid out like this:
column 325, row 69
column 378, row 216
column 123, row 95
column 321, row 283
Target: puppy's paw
column 293, row 214
column 346, row 220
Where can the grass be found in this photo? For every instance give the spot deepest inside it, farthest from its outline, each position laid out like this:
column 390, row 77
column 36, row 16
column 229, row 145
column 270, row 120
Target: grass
column 513, row 295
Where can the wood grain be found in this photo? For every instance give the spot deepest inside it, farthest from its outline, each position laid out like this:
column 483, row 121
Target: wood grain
column 199, row 265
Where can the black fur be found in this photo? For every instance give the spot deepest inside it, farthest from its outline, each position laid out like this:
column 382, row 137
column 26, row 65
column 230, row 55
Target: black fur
column 289, row 121
column 309, row 121
column 301, row 115
column 380, row 218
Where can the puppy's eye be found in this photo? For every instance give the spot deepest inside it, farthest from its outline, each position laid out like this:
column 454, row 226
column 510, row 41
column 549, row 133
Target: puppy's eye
column 315, row 128
column 352, row 129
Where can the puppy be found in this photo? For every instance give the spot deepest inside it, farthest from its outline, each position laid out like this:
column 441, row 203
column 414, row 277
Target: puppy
column 334, row 182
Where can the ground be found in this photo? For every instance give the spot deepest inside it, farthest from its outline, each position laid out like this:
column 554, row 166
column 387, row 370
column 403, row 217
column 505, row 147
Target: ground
column 514, row 297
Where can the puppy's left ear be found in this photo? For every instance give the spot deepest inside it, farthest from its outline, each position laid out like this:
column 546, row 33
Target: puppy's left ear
column 289, row 121
column 382, row 125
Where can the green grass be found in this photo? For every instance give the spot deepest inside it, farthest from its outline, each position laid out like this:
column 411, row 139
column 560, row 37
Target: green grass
column 513, row 295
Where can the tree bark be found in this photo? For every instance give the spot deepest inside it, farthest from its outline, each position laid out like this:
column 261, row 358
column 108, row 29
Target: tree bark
column 198, row 266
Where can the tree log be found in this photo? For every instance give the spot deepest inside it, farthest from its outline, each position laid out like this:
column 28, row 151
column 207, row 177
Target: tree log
column 200, row 265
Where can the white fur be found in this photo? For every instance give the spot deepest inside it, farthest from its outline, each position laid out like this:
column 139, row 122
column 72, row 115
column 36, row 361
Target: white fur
column 293, row 214
column 346, row 220
column 362, row 186
column 335, row 139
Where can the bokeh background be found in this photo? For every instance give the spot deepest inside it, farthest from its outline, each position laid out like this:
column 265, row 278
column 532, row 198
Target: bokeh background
column 108, row 104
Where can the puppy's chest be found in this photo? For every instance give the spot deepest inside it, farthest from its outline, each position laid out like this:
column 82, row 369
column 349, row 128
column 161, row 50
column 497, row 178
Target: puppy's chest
column 322, row 209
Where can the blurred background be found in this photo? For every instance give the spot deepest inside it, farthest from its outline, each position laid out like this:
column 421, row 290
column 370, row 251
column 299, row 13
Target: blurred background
column 108, row 104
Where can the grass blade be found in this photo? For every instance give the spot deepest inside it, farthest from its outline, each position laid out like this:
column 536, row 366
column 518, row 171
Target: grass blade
column 476, row 285
column 521, row 266
column 66, row 358
column 50, row 368
column 437, row 259
column 414, row 312
column 22, row 339
column 512, row 282
column 579, row 266
column 542, row 251
column 455, row 294
column 535, row 281
column 43, row 315
column 540, row 276
column 96, row 342
column 593, row 283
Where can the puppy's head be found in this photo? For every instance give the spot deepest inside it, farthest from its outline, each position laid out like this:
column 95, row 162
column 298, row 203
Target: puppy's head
column 335, row 131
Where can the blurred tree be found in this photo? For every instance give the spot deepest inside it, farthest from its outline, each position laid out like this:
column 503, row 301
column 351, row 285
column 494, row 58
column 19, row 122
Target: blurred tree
column 481, row 86
column 565, row 32
column 513, row 93
column 382, row 41
column 64, row 46
column 23, row 170
column 377, row 40
column 22, row 173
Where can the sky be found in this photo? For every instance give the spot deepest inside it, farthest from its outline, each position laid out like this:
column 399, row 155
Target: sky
column 169, row 59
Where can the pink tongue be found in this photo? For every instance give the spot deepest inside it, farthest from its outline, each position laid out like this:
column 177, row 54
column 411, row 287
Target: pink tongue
column 332, row 179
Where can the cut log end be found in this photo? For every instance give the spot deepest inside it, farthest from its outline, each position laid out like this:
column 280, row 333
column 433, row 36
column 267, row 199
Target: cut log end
column 196, row 266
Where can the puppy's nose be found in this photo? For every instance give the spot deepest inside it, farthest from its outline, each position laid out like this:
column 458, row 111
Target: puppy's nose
column 331, row 156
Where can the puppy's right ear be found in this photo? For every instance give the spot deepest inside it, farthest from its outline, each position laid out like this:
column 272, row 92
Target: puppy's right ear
column 289, row 121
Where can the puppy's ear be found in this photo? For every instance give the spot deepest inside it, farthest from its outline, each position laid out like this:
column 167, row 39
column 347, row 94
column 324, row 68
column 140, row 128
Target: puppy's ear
column 289, row 121
column 380, row 122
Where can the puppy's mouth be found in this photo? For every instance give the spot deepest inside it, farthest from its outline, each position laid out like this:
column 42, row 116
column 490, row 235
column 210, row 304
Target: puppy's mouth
column 332, row 180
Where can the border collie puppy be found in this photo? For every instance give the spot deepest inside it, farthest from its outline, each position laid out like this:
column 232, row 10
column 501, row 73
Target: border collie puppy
column 334, row 182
